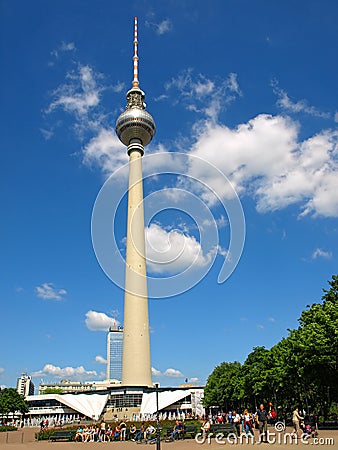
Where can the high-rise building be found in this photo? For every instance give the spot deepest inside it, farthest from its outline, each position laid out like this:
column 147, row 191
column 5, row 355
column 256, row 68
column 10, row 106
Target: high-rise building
column 114, row 353
column 135, row 128
column 24, row 385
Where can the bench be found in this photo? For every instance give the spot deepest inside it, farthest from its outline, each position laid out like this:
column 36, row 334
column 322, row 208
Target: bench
column 189, row 431
column 225, row 428
column 62, row 436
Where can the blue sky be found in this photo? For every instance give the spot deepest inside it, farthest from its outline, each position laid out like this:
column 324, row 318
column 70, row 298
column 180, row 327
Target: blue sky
column 246, row 93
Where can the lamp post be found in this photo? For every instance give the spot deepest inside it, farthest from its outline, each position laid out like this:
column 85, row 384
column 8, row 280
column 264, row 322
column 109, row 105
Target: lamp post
column 158, row 430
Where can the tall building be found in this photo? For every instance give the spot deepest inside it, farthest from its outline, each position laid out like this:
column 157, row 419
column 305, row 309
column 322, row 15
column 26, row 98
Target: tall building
column 24, row 385
column 114, row 353
column 135, row 128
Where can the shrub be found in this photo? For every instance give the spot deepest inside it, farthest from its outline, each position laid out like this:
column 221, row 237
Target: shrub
column 7, row 428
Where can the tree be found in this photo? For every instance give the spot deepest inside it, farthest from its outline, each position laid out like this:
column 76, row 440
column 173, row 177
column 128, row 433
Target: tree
column 223, row 386
column 300, row 370
column 317, row 343
column 11, row 402
column 52, row 391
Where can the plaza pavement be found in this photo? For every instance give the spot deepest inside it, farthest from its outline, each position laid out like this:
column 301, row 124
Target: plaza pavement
column 24, row 440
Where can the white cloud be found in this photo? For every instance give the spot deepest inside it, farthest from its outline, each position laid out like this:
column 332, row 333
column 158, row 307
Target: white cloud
column 67, row 46
column 264, row 158
column 155, row 372
column 119, row 86
column 63, row 47
column 99, row 359
column 98, row 321
column 170, row 372
column 162, row 27
column 173, row 373
column 287, row 104
column 47, row 291
column 203, row 95
column 47, row 134
column 193, row 380
column 336, row 116
column 74, row 373
column 80, row 94
column 319, row 253
column 2, row 370
column 171, row 251
column 105, row 151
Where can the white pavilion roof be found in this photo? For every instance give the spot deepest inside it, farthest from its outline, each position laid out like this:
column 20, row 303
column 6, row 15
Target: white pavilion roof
column 166, row 398
column 90, row 405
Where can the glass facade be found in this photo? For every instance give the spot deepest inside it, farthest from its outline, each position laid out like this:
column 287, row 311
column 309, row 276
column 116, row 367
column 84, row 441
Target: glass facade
column 125, row 400
column 114, row 353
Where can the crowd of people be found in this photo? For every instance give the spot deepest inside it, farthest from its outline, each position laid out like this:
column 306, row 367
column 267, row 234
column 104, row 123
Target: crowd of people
column 120, row 432
column 247, row 421
column 102, row 432
column 244, row 422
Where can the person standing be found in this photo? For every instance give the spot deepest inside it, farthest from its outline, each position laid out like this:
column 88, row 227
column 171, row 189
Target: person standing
column 102, row 432
column 296, row 419
column 237, row 422
column 123, row 431
column 262, row 417
column 248, row 426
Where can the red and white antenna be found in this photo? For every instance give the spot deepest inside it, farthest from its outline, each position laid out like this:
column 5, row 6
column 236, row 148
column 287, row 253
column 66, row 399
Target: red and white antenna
column 135, row 81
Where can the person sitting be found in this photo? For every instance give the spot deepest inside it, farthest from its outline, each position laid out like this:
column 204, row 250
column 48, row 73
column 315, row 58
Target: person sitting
column 117, row 432
column 78, row 434
column 132, row 432
column 205, row 427
column 177, row 430
column 109, row 434
column 140, row 434
column 95, row 435
column 150, row 432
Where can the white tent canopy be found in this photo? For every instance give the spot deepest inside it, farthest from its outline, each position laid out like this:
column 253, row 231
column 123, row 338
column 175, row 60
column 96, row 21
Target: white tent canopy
column 166, row 398
column 89, row 405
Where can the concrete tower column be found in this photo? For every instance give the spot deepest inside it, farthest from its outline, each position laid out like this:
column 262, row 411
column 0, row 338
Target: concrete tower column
column 135, row 127
column 136, row 363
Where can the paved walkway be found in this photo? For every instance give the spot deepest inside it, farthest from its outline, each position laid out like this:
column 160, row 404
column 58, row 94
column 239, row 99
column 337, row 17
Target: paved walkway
column 24, row 440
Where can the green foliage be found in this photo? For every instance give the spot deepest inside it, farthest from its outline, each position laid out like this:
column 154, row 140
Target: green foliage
column 223, row 386
column 52, row 391
column 7, row 428
column 301, row 369
column 11, row 402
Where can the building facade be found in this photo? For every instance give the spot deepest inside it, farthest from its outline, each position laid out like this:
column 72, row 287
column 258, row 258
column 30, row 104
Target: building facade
column 114, row 353
column 24, row 385
column 76, row 387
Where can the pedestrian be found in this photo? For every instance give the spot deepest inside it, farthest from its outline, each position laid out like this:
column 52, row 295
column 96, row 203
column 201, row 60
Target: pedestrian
column 262, row 417
column 296, row 419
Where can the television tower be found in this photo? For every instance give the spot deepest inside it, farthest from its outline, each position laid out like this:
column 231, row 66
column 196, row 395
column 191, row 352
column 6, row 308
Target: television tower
column 135, row 128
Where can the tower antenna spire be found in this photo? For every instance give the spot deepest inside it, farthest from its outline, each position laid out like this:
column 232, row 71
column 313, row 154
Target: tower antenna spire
column 135, row 81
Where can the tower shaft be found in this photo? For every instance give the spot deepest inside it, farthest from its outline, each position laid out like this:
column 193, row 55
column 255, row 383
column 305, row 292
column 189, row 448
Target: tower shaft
column 136, row 364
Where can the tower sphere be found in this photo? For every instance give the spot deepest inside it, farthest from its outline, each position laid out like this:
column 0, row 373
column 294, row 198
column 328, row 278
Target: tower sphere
column 135, row 122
